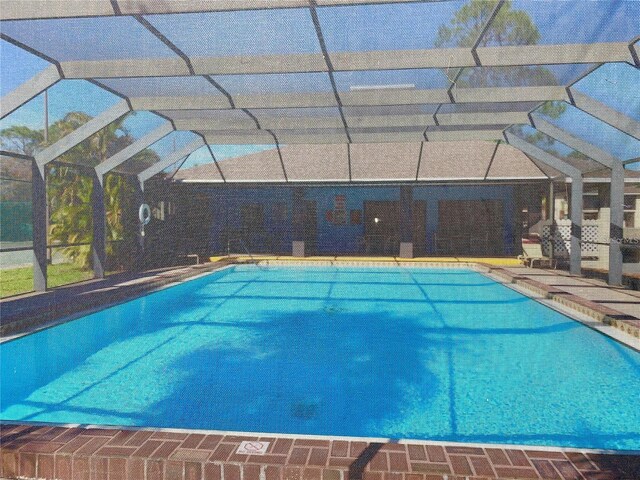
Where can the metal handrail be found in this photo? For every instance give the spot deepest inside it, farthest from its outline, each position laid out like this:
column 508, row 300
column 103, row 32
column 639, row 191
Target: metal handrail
column 244, row 246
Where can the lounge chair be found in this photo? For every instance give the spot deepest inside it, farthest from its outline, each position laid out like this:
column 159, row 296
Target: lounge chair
column 532, row 253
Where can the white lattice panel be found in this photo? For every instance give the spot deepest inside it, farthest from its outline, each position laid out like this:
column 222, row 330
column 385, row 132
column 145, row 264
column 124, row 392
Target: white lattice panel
column 561, row 240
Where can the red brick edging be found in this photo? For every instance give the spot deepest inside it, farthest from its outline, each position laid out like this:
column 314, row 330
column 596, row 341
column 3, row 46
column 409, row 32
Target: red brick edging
column 113, row 454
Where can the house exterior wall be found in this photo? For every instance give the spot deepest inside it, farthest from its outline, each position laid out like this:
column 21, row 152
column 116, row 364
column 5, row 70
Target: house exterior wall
column 337, row 233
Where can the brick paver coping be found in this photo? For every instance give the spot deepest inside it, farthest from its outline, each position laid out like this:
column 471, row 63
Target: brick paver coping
column 607, row 315
column 112, row 454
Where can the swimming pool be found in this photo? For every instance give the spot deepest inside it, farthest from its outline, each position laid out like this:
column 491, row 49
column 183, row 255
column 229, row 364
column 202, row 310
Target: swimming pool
column 412, row 353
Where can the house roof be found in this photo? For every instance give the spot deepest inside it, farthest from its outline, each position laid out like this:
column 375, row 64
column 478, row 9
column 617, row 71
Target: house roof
column 433, row 161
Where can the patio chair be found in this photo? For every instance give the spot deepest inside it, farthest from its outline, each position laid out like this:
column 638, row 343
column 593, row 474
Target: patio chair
column 532, row 253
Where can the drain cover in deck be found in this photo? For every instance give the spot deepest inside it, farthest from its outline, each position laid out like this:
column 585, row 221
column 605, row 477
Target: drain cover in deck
column 253, row 448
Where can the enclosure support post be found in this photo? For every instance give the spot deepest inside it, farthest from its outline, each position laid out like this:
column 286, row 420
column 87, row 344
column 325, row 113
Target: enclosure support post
column 406, row 221
column 552, row 218
column 98, row 246
column 297, row 219
column 616, row 206
column 39, row 219
column 575, row 261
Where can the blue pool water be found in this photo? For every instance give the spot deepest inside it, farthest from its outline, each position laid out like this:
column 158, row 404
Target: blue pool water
column 378, row 352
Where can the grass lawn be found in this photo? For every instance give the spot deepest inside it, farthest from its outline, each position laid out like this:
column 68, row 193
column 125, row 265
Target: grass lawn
column 20, row 280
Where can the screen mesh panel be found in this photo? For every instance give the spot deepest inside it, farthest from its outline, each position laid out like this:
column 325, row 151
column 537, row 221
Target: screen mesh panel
column 414, row 79
column 605, row 137
column 521, row 76
column 127, row 130
column 156, row 152
column 319, row 136
column 109, row 38
column 15, row 208
column 383, row 161
column 509, row 162
column 304, row 118
column 161, row 86
column 465, row 128
column 488, row 107
column 255, row 32
column 71, row 96
column 419, row 116
column 574, row 21
column 200, row 166
column 311, row 112
column 263, row 84
column 316, row 162
column 555, row 148
column 29, row 116
column 19, row 66
column 450, row 160
column 409, row 26
column 72, row 103
column 389, row 110
column 207, row 114
column 546, row 169
column 262, row 166
column 210, row 119
column 238, row 137
column 615, row 85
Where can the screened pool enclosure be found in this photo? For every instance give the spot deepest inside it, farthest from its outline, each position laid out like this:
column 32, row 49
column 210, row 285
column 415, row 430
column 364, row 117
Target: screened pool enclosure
column 320, row 127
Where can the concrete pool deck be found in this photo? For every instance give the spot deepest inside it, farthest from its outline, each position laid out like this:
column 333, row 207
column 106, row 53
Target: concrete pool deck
column 67, row 453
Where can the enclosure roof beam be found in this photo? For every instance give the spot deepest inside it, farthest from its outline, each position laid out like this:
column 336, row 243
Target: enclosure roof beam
column 170, row 159
column 503, row 56
column 591, row 151
column 634, row 48
column 463, row 135
column 368, row 98
column 82, row 133
column 28, row 90
column 136, row 147
column 355, row 121
column 605, row 113
column 539, row 154
column 323, row 136
column 482, row 118
column 330, row 69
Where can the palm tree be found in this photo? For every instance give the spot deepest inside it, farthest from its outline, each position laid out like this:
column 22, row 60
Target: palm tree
column 69, row 190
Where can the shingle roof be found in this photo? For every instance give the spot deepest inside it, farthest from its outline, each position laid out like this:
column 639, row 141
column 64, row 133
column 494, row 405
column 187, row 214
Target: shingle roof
column 429, row 161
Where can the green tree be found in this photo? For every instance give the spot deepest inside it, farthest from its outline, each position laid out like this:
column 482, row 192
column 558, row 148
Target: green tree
column 69, row 196
column 69, row 190
column 509, row 27
column 21, row 139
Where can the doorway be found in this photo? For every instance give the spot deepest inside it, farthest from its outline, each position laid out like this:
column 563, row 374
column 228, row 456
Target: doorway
column 419, row 228
column 381, row 227
column 252, row 226
column 310, row 223
column 470, row 227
